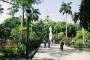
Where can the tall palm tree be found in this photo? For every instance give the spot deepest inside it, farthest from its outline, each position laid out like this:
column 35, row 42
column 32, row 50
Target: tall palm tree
column 30, row 18
column 35, row 15
column 66, row 9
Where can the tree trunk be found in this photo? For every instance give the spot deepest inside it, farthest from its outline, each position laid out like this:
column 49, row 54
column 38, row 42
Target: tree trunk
column 83, row 34
column 66, row 24
column 22, row 21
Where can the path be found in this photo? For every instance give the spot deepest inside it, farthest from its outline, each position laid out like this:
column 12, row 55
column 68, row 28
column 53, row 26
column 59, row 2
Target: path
column 54, row 53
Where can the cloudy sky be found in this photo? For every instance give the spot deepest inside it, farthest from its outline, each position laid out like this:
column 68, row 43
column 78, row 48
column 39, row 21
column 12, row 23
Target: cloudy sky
column 50, row 6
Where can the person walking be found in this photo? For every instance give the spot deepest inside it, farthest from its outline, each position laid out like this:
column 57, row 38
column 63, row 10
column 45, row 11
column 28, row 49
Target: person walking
column 61, row 45
column 48, row 43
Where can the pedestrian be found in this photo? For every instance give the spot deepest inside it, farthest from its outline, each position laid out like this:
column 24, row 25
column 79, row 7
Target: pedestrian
column 48, row 43
column 61, row 45
column 44, row 43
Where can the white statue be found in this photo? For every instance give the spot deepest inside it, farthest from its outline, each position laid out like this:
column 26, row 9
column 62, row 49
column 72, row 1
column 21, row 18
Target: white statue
column 50, row 34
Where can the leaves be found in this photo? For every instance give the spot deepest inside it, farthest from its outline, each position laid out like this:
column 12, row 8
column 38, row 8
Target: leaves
column 85, row 14
column 66, row 8
column 75, row 17
column 34, row 15
column 1, row 9
column 13, row 10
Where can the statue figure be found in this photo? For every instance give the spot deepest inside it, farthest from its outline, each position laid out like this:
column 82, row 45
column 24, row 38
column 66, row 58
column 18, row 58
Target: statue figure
column 50, row 34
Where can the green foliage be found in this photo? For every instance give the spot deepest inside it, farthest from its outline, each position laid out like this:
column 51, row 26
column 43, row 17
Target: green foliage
column 71, row 30
column 79, row 41
column 58, row 27
column 35, row 14
column 87, row 35
column 85, row 14
column 2, row 31
column 60, row 35
column 17, row 32
column 38, row 29
column 79, row 33
column 26, row 3
column 66, row 8
column 21, row 48
column 75, row 17
column 13, row 10
column 9, row 24
column 10, row 51
column 33, row 36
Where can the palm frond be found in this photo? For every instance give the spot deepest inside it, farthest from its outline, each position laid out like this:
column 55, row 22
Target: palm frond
column 1, row 9
column 65, row 8
column 61, row 9
column 75, row 17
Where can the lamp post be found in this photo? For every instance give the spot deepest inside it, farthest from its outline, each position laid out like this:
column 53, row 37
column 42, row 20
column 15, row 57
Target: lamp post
column 29, row 12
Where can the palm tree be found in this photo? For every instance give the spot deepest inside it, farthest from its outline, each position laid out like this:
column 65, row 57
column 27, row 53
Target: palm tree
column 35, row 14
column 32, row 15
column 66, row 9
column 75, row 17
column 13, row 10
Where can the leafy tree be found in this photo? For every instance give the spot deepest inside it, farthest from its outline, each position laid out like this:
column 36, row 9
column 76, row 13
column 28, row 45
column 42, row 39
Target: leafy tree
column 71, row 30
column 38, row 28
column 80, row 34
column 16, row 33
column 66, row 9
column 9, row 24
column 33, row 36
column 85, row 14
column 60, row 35
column 59, row 27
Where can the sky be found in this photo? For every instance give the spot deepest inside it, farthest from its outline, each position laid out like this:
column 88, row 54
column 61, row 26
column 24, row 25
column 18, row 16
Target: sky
column 47, row 7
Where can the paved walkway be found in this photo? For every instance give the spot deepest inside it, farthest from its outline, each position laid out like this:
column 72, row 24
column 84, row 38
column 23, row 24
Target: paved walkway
column 54, row 53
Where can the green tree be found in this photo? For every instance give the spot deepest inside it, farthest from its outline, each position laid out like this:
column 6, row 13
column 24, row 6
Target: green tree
column 60, row 36
column 9, row 24
column 71, row 30
column 84, row 14
column 75, row 18
column 66, row 9
column 38, row 28
column 16, row 33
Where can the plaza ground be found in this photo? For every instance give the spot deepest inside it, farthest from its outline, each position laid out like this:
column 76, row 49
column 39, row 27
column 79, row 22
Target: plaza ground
column 54, row 53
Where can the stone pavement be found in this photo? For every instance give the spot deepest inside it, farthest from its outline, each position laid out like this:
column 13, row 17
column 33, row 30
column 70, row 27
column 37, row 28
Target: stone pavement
column 54, row 53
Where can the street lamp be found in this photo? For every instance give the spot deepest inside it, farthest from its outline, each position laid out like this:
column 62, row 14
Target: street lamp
column 29, row 12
